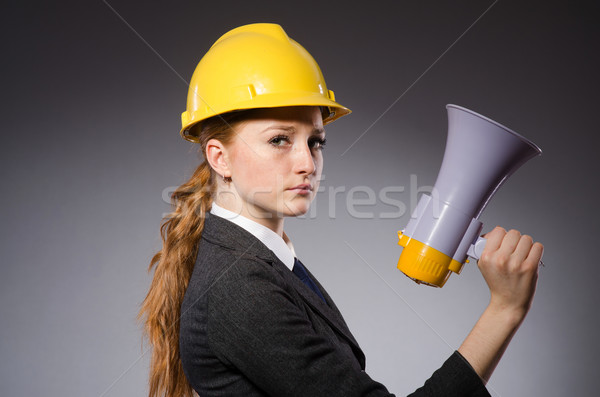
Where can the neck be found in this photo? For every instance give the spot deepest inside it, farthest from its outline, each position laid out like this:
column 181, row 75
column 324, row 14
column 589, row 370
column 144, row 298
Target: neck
column 267, row 219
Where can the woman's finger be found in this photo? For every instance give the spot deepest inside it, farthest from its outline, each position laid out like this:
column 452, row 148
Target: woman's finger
column 522, row 249
column 509, row 243
column 494, row 239
column 534, row 257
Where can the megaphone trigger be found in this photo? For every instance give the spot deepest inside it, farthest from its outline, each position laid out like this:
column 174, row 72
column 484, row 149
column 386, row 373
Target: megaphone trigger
column 476, row 249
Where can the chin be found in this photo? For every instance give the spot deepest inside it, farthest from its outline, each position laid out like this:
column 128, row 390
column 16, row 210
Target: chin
column 296, row 209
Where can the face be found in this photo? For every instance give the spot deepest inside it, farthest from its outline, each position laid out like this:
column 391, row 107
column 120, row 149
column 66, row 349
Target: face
column 275, row 162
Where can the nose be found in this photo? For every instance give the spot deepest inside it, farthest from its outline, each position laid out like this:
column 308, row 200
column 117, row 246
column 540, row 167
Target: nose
column 304, row 161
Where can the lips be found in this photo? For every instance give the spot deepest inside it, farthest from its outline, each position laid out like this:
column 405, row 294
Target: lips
column 303, row 187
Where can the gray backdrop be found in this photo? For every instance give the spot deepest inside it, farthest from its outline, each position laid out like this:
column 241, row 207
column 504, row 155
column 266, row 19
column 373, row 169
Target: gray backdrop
column 90, row 120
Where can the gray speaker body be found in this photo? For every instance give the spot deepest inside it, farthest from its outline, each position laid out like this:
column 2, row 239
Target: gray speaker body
column 480, row 155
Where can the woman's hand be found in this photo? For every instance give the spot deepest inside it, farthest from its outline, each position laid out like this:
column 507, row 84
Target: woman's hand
column 509, row 263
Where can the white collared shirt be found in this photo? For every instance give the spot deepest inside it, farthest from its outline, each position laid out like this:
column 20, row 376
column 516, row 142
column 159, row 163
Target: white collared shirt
column 268, row 237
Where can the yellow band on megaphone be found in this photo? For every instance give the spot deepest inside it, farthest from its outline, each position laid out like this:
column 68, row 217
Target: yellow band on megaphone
column 425, row 264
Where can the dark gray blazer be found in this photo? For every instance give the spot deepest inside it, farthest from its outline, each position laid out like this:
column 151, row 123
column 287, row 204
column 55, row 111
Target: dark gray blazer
column 250, row 327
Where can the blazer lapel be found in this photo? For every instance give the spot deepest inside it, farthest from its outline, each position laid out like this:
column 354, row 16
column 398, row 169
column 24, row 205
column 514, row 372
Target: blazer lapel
column 328, row 311
column 231, row 236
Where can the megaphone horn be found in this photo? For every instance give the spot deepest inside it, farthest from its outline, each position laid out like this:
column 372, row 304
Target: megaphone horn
column 444, row 227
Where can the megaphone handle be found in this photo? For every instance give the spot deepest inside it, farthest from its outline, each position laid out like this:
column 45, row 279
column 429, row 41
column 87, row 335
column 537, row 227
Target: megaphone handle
column 476, row 249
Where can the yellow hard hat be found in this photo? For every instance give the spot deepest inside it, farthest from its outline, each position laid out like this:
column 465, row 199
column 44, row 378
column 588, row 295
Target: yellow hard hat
column 255, row 66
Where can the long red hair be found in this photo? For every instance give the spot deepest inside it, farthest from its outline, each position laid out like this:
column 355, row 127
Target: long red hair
column 173, row 265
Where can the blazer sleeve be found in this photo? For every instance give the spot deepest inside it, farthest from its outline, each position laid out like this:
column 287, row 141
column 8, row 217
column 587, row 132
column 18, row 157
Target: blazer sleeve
column 255, row 325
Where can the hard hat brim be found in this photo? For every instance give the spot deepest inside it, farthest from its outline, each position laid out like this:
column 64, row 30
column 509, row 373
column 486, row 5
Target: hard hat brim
column 264, row 101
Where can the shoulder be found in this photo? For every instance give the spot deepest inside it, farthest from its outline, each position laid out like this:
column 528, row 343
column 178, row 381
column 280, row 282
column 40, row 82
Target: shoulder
column 233, row 263
column 233, row 292
column 230, row 290
column 223, row 272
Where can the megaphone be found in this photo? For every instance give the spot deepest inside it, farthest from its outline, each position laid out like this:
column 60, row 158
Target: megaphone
column 444, row 228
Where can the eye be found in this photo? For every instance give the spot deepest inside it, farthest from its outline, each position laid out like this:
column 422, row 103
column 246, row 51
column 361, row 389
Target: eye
column 279, row 140
column 317, row 143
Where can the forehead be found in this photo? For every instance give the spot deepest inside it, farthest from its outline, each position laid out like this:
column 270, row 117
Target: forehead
column 297, row 116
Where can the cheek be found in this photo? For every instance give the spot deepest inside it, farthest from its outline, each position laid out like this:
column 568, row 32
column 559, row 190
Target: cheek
column 319, row 162
column 319, row 172
column 256, row 171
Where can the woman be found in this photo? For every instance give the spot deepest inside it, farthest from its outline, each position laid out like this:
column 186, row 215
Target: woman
column 231, row 311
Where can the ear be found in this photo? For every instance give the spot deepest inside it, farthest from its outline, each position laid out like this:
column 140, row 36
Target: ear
column 217, row 157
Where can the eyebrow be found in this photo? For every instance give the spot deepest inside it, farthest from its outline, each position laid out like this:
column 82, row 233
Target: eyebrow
column 292, row 129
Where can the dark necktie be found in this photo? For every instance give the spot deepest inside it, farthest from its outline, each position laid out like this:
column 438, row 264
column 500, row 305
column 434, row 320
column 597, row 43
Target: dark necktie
column 300, row 271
